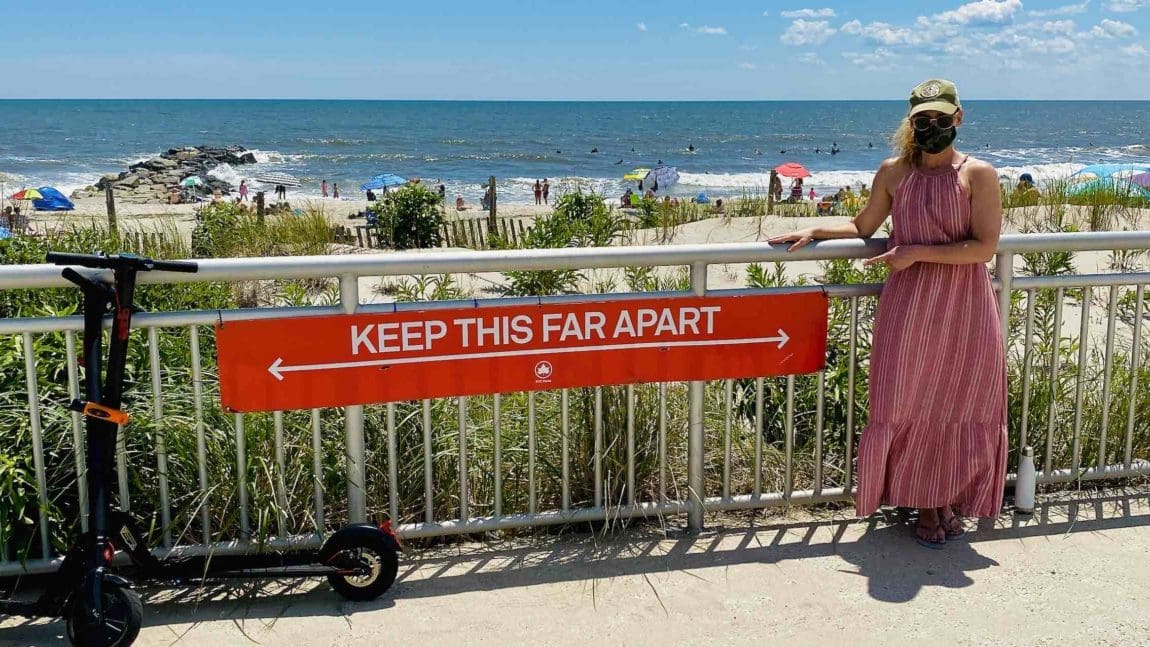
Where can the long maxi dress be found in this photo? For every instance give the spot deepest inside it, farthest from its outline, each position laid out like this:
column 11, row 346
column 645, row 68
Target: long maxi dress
column 937, row 429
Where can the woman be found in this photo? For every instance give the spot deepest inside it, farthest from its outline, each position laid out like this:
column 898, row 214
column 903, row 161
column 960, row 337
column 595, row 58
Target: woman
column 776, row 186
column 538, row 188
column 936, row 438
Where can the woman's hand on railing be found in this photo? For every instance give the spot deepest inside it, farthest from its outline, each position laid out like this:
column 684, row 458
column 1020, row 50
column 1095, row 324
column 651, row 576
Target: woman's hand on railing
column 800, row 238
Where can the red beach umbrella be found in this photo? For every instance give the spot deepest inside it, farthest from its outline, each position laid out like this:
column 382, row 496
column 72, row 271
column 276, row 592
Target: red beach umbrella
column 26, row 194
column 792, row 169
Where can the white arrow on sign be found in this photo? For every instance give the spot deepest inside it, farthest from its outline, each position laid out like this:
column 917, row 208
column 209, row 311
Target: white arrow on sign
column 277, row 369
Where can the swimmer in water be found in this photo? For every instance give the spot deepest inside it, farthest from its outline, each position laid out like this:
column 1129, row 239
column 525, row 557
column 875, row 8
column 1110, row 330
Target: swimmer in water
column 690, row 148
column 595, row 150
column 618, row 163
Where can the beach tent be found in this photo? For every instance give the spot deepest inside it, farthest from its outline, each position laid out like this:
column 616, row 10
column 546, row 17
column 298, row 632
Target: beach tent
column 52, row 200
column 383, row 181
column 637, row 174
column 1110, row 170
column 1117, row 185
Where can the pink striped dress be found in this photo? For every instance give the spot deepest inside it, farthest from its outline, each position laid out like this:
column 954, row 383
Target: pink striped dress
column 937, row 429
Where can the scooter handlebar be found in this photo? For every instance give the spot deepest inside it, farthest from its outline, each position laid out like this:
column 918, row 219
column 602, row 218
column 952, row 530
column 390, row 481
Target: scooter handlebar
column 120, row 261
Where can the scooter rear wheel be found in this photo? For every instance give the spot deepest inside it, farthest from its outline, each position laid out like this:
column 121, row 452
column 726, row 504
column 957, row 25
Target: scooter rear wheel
column 123, row 615
column 370, row 550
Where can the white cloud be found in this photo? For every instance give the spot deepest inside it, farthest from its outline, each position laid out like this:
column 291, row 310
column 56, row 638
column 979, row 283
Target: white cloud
column 748, row 48
column 1065, row 10
column 884, row 33
column 981, row 12
column 879, row 59
column 641, row 26
column 1065, row 27
column 1134, row 50
column 1125, row 6
column 810, row 58
column 805, row 32
column 1113, row 29
column 684, row 25
column 766, row 13
column 712, row 31
column 808, row 13
column 748, row 66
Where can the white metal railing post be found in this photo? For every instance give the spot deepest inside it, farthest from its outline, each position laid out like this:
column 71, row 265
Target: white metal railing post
column 353, row 422
column 1004, row 268
column 695, row 435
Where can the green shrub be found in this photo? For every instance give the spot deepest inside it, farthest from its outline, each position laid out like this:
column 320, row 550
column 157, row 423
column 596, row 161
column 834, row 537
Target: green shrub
column 410, row 217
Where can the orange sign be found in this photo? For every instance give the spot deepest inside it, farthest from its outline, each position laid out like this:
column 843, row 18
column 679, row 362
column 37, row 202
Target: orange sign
column 309, row 362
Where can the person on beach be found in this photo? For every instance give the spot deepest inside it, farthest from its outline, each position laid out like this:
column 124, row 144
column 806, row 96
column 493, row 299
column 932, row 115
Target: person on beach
column 546, row 191
column 335, row 190
column 243, row 191
column 323, row 188
column 796, row 190
column 936, row 438
column 538, row 189
column 775, row 189
column 812, row 195
column 459, row 204
column 442, row 192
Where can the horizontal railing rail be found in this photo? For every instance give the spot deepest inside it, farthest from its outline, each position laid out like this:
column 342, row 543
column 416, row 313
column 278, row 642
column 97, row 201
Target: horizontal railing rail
column 577, row 455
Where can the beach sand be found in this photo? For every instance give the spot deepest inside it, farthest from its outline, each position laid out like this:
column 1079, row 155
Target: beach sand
column 181, row 218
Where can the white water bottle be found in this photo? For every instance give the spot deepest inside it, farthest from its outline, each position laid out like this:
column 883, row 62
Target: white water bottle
column 1025, row 483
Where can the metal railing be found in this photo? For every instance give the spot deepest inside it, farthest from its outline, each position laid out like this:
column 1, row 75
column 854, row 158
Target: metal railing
column 664, row 497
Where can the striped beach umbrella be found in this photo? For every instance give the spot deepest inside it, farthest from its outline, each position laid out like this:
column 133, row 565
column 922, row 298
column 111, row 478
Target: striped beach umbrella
column 278, row 178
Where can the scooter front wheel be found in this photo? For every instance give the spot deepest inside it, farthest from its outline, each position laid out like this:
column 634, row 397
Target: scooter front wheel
column 123, row 615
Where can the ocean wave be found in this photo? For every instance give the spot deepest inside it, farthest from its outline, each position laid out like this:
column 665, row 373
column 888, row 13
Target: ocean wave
column 334, row 141
column 761, row 180
column 228, row 173
column 276, row 157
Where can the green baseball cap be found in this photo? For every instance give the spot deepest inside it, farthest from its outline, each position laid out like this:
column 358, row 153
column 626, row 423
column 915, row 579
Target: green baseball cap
column 935, row 94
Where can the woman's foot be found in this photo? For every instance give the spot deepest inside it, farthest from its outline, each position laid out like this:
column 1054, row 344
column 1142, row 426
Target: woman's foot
column 928, row 531
column 951, row 522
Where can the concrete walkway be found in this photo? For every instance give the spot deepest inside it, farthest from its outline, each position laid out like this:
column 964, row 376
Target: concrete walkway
column 1078, row 572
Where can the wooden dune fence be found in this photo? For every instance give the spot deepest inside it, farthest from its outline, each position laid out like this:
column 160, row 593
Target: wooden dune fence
column 472, row 233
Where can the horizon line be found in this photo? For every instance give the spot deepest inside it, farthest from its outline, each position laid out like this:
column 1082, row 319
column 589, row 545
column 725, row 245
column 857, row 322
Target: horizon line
column 488, row 100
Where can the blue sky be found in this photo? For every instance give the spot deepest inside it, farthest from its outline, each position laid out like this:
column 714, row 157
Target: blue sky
column 585, row 49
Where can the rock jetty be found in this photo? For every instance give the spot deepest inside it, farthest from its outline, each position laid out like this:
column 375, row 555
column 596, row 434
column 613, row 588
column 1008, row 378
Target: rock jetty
column 152, row 180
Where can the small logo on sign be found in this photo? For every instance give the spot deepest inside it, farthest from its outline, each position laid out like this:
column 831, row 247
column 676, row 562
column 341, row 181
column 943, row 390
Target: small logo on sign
column 543, row 370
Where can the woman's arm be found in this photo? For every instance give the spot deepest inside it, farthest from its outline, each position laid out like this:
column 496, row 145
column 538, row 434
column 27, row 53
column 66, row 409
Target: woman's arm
column 986, row 223
column 864, row 225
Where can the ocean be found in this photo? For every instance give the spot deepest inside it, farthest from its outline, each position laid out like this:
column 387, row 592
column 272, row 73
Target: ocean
column 71, row 143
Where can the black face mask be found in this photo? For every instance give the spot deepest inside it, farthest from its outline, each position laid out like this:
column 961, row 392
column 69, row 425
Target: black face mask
column 934, row 139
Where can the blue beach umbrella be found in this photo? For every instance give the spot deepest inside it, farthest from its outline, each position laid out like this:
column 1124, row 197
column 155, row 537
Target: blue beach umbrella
column 1110, row 170
column 383, row 181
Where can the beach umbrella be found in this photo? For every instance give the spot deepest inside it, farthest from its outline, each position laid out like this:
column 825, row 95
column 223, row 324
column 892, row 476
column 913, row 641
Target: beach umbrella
column 792, row 169
column 278, row 178
column 27, row 194
column 637, row 174
column 383, row 181
column 190, row 181
column 1142, row 180
column 1110, row 170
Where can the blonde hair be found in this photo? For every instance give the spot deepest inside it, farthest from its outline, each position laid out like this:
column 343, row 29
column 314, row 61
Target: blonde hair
column 902, row 142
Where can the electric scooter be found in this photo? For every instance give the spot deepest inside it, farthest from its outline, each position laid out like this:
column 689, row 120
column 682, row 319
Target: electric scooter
column 99, row 605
